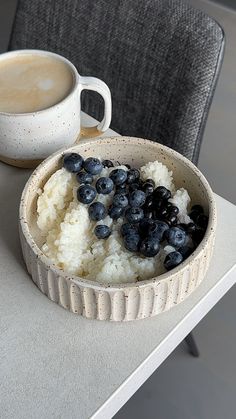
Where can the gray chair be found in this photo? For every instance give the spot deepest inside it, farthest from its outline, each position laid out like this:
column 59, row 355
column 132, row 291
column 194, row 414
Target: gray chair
column 160, row 58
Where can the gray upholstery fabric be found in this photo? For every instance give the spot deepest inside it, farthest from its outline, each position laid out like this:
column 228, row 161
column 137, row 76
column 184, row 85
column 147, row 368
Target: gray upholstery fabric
column 160, row 59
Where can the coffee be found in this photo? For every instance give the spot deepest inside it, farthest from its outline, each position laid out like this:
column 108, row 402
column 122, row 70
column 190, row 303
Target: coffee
column 30, row 83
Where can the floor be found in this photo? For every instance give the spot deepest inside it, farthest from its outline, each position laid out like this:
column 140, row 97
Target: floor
column 185, row 387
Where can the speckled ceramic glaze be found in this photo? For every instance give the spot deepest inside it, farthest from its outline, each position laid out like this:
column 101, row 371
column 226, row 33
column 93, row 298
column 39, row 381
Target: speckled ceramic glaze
column 27, row 138
column 122, row 301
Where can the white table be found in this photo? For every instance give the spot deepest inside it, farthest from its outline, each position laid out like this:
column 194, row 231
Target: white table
column 54, row 364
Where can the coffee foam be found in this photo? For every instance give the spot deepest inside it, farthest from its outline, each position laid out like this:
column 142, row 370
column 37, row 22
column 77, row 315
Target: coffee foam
column 30, row 83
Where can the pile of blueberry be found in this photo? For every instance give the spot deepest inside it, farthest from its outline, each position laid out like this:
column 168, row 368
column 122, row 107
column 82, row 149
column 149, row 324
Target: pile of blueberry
column 149, row 217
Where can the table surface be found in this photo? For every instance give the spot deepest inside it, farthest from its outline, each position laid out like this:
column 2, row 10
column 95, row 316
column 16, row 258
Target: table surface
column 54, row 364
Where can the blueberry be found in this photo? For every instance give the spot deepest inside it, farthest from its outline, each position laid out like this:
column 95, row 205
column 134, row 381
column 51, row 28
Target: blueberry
column 134, row 215
column 202, row 221
column 162, row 193
column 183, row 226
column 104, row 185
column 136, row 173
column 72, row 162
column 150, row 246
column 131, row 241
column 144, row 226
column 107, row 163
column 198, row 235
column 128, row 166
column 185, row 251
column 84, row 177
column 140, row 182
column 120, row 200
column 102, row 231
column 115, row 212
column 197, row 208
column 130, row 178
column 158, row 229
column 190, row 228
column 163, row 212
column 194, row 215
column 92, row 165
column 133, row 175
column 118, row 176
column 97, row 211
column 150, row 181
column 148, row 214
column 157, row 203
column 171, row 219
column 175, row 236
column 148, row 188
column 173, row 210
column 127, row 228
column 172, row 260
column 86, row 194
column 137, row 198
column 121, row 188
column 134, row 186
column 148, row 202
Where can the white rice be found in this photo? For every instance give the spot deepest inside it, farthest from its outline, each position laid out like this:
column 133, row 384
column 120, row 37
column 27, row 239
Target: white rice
column 181, row 199
column 56, row 196
column 69, row 238
column 159, row 173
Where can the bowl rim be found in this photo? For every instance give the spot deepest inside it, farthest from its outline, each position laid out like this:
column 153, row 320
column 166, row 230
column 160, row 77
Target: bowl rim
column 118, row 286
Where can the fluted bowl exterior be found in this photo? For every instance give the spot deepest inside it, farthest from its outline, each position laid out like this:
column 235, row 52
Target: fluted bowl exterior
column 118, row 302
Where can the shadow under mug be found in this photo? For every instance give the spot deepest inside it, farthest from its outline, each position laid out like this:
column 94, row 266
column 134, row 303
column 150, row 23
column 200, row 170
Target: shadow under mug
column 28, row 138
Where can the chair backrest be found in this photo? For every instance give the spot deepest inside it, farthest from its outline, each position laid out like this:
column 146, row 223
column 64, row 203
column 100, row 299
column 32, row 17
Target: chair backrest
column 160, row 58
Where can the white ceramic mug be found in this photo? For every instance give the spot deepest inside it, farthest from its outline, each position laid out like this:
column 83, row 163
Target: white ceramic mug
column 27, row 138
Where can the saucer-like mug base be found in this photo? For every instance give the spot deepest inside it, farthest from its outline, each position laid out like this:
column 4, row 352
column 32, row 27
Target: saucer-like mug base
column 24, row 164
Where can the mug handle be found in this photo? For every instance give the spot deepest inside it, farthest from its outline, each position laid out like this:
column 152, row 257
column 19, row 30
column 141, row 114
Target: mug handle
column 97, row 85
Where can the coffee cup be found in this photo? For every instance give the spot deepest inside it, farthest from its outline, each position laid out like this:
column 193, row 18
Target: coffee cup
column 40, row 96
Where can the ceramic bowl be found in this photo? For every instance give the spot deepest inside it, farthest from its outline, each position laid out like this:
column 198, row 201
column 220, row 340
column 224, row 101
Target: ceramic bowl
column 128, row 301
